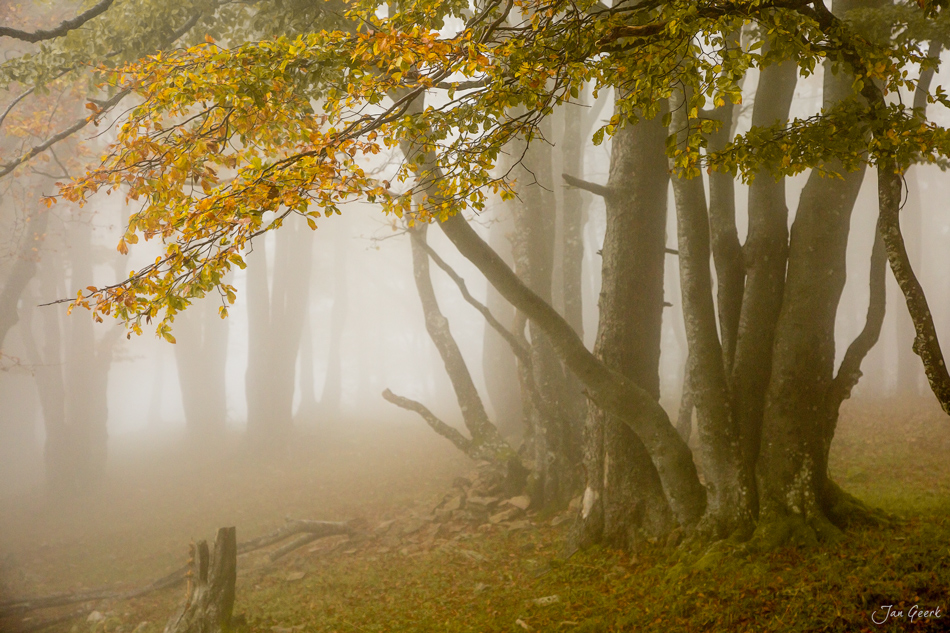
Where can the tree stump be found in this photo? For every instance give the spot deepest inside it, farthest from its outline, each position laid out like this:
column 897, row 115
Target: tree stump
column 210, row 600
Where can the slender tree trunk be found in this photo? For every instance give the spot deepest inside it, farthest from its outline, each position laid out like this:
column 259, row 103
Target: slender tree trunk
column 624, row 495
column 498, row 363
column 908, row 367
column 486, row 442
column 556, row 444
column 333, row 384
column 765, row 256
column 573, row 216
column 729, row 507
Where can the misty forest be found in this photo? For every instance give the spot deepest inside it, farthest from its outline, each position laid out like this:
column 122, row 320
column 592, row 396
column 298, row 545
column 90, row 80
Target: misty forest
column 480, row 315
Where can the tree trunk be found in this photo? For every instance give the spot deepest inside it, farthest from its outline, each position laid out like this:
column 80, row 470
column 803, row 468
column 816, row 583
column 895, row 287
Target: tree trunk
column 795, row 493
column 210, row 600
column 23, row 270
column 276, row 309
column 556, row 445
column 765, row 256
column 499, row 365
column 201, row 357
column 333, row 384
column 623, row 494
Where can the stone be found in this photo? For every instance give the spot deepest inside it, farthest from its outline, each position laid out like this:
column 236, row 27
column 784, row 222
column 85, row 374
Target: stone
column 521, row 502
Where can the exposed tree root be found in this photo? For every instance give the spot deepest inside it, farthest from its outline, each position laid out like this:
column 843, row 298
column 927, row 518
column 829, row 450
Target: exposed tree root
column 846, row 510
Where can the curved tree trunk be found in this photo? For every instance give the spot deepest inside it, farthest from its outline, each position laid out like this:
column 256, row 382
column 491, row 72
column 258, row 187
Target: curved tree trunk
column 608, row 389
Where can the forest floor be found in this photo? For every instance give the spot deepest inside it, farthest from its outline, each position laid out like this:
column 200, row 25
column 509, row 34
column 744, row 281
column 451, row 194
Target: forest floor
column 412, row 569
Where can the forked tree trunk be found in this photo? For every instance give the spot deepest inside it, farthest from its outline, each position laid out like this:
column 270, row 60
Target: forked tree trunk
column 792, row 470
column 624, row 495
column 729, row 507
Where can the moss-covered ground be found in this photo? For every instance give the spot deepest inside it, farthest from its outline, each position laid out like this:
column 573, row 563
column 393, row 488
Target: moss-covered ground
column 894, row 456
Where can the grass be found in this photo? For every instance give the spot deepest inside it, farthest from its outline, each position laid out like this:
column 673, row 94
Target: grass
column 498, row 580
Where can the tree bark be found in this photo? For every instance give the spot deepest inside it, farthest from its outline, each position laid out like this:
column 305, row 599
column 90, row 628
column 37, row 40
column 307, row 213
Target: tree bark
column 623, row 494
column 210, row 600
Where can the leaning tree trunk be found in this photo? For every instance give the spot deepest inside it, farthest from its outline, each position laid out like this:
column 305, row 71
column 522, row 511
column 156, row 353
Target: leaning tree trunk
column 485, row 442
column 608, row 389
column 908, row 369
column 210, row 600
column 624, row 495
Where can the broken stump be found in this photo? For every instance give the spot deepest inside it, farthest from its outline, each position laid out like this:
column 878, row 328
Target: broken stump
column 210, row 600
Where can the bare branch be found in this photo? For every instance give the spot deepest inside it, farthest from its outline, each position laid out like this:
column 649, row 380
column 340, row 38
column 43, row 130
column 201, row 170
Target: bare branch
column 594, row 188
column 72, row 129
column 849, row 372
column 460, row 441
column 62, row 29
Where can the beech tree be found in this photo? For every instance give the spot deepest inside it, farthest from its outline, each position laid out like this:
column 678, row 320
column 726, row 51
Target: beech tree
column 228, row 142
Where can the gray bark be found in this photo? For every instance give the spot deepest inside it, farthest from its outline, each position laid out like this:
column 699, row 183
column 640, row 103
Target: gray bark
column 624, row 495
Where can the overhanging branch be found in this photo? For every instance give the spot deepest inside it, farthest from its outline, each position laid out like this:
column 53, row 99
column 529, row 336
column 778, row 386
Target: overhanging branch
column 62, row 29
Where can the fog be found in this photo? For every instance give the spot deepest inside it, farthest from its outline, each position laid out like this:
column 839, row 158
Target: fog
column 281, row 401
column 360, row 267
